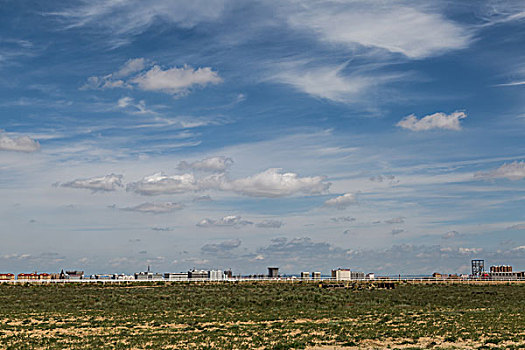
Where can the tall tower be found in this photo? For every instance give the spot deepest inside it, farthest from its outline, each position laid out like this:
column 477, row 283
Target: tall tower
column 478, row 267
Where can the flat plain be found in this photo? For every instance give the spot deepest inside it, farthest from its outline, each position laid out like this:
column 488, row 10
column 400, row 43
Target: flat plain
column 166, row 315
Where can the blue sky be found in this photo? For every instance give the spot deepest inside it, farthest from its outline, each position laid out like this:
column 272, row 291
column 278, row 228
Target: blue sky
column 383, row 136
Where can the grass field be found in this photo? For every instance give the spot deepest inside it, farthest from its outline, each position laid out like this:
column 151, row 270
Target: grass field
column 260, row 316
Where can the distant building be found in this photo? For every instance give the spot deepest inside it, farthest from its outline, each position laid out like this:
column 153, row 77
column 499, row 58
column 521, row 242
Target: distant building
column 74, row 275
column 347, row 274
column 355, row 275
column 341, row 274
column 305, row 275
column 176, row 276
column 7, row 276
column 273, row 272
column 316, row 275
column 228, row 273
column 216, row 275
column 27, row 276
column 500, row 268
column 198, row 274
column 437, row 275
column 370, row 276
column 123, row 277
column 478, row 267
column 103, row 277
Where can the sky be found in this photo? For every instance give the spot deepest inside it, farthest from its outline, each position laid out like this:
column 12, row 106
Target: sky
column 380, row 136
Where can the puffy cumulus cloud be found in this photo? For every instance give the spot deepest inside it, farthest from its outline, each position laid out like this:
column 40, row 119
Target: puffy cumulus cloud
column 105, row 183
column 433, row 121
column 231, row 221
column 516, row 227
column 155, row 208
column 18, row 144
column 450, row 235
column 213, row 164
column 175, row 80
column 136, row 73
column 269, row 224
column 397, row 231
column 159, row 183
column 511, row 171
column 271, row 183
column 274, row 183
column 469, row 251
column 408, row 29
column 224, row 246
column 342, row 202
column 398, row 220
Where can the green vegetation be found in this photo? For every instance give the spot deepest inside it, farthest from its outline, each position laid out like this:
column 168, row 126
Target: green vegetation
column 260, row 315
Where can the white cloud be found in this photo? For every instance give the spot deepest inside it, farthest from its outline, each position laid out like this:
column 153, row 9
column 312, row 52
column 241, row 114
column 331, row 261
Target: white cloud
column 223, row 246
column 231, row 220
column 105, row 183
column 516, row 227
column 450, row 235
column 398, row 220
column 269, row 224
column 214, row 164
column 156, row 208
column 131, row 66
column 325, row 82
column 124, row 19
column 18, row 144
column 136, row 108
column 159, row 183
column 511, row 171
column 343, row 219
column 136, row 73
column 470, row 251
column 341, row 202
column 274, row 183
column 175, row 80
column 433, row 121
column 271, row 183
column 397, row 231
column 392, row 26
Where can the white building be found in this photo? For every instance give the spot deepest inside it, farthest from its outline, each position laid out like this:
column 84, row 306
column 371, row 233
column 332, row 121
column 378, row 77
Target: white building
column 216, row 275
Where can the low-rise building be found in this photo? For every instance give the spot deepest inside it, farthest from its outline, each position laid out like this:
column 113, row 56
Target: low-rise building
column 74, row 275
column 305, row 275
column 7, row 276
column 198, row 274
column 27, row 276
column 316, row 275
column 370, row 276
column 176, row 276
column 216, row 275
column 341, row 274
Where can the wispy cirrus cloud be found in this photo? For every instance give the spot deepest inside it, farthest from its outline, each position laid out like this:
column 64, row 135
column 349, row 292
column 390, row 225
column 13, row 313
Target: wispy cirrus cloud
column 269, row 224
column 155, row 208
column 213, row 164
column 511, row 171
column 221, row 247
column 433, row 121
column 397, row 27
